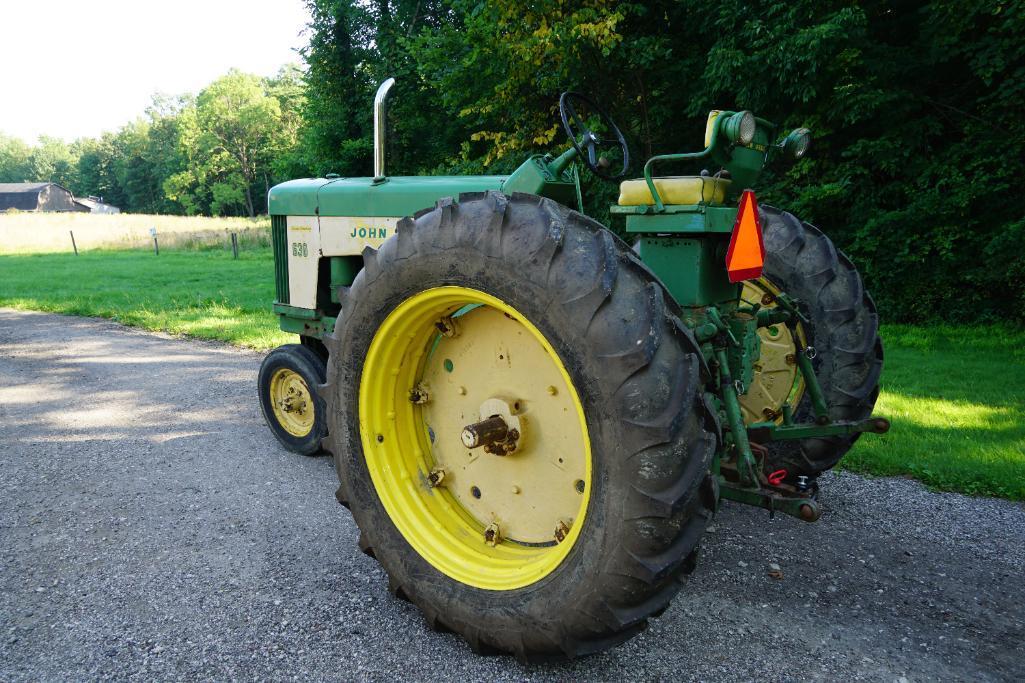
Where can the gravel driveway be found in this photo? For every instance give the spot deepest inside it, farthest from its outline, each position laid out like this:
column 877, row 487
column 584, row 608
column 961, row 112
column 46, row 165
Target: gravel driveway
column 151, row 527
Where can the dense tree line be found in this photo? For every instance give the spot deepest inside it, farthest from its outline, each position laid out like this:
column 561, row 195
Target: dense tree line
column 215, row 154
column 915, row 106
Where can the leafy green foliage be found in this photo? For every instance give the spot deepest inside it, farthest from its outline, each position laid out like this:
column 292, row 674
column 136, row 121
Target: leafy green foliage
column 217, row 153
column 915, row 108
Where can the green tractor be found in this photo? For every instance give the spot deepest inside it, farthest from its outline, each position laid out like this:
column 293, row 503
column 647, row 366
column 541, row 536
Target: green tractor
column 532, row 420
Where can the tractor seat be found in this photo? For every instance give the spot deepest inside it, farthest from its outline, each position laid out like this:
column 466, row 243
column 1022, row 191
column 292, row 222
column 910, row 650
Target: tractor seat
column 684, row 189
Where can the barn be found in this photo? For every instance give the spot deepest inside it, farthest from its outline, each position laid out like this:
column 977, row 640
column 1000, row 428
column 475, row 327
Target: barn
column 37, row 197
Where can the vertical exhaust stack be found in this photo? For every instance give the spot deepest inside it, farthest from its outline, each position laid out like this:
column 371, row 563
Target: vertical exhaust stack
column 380, row 124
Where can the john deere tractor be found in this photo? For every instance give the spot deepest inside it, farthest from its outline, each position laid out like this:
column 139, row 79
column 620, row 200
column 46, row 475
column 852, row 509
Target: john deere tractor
column 532, row 419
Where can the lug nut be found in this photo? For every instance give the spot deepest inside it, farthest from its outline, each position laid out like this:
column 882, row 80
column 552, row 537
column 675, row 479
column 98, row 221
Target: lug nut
column 492, row 534
column 447, row 326
column 418, row 395
column 561, row 531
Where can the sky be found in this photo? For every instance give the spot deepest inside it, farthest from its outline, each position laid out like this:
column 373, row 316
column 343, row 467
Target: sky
column 74, row 68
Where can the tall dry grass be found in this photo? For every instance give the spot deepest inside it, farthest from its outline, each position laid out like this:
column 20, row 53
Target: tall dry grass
column 24, row 232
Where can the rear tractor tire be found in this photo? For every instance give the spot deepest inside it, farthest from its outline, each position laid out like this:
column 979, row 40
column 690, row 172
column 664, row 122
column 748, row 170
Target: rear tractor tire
column 288, row 381
column 518, row 426
column 844, row 333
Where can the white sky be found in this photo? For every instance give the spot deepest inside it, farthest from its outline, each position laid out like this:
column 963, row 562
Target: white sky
column 73, row 68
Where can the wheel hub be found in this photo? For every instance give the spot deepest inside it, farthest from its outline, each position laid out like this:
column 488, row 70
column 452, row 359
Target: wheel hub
column 292, row 402
column 494, row 373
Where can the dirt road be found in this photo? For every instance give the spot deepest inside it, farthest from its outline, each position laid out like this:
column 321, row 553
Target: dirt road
column 151, row 527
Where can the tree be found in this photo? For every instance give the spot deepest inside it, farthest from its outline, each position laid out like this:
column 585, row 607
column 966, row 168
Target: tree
column 52, row 160
column 237, row 118
column 14, row 160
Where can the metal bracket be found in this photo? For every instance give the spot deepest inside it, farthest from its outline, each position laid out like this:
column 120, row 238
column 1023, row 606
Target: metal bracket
column 764, row 432
column 804, row 508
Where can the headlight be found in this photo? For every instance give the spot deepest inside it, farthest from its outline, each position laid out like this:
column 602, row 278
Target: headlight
column 740, row 127
column 797, row 142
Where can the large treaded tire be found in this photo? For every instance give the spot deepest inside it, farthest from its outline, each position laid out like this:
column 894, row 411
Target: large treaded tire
column 310, row 366
column 804, row 263
column 640, row 378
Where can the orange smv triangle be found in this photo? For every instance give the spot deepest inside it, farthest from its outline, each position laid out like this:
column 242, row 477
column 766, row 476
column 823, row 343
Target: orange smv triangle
column 746, row 255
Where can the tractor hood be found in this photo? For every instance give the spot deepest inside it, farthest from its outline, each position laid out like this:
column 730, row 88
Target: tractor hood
column 395, row 196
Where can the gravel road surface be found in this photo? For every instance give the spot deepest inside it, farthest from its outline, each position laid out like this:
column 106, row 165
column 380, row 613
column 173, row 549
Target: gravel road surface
column 152, row 528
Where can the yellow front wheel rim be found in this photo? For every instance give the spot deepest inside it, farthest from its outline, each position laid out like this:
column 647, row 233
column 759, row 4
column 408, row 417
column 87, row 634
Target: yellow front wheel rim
column 446, row 357
column 292, row 402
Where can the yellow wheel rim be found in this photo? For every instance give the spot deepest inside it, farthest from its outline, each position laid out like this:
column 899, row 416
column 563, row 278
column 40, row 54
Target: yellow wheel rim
column 443, row 359
column 776, row 380
column 292, row 402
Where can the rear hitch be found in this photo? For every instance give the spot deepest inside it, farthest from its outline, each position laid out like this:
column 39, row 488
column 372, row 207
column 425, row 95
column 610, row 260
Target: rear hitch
column 782, row 498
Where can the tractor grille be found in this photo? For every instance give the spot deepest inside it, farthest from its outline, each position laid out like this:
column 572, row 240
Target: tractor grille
column 279, row 238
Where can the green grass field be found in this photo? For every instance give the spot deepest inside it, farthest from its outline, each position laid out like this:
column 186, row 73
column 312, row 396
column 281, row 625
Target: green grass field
column 204, row 294
column 955, row 396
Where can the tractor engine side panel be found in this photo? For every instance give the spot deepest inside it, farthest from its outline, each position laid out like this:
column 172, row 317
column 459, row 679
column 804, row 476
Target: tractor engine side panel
column 309, row 239
column 303, row 251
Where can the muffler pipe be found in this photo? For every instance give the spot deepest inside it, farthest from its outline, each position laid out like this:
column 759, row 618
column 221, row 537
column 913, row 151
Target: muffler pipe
column 379, row 127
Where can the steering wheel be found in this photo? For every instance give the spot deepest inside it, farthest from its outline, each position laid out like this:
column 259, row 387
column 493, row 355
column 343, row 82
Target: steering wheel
column 588, row 150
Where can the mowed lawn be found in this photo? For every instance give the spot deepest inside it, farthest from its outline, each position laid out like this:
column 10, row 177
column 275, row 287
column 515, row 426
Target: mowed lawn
column 955, row 396
column 204, row 294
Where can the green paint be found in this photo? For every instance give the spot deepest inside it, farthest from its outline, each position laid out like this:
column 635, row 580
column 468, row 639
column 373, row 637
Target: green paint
column 295, row 312
column 546, row 177
column 743, row 162
column 685, row 246
column 746, row 466
column 690, row 219
column 295, row 198
column 691, row 269
column 744, row 354
column 343, row 272
column 771, row 500
column 405, row 195
column 811, row 382
column 763, row 432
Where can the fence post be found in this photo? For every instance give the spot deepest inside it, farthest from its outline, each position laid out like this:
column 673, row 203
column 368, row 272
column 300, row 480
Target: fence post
column 234, row 244
column 156, row 247
column 73, row 245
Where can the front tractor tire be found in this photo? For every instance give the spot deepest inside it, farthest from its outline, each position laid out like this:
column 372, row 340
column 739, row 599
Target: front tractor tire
column 288, row 381
column 844, row 332
column 518, row 426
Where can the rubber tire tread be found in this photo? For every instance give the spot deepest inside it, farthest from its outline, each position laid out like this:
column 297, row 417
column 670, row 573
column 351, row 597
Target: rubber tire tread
column 640, row 376
column 804, row 263
column 308, row 364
